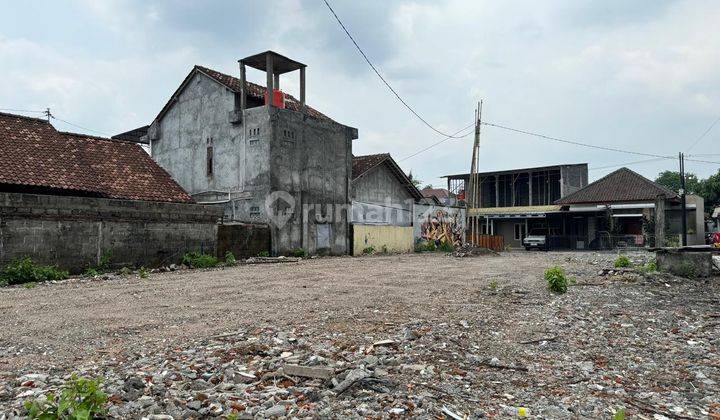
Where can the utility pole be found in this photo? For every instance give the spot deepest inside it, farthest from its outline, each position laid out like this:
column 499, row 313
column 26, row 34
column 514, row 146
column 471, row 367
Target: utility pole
column 473, row 188
column 682, row 197
column 48, row 115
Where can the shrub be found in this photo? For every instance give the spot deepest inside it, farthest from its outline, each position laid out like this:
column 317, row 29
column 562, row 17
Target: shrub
column 81, row 398
column 230, row 258
column 686, row 269
column 556, row 279
column 650, row 267
column 446, row 247
column 91, row 272
column 384, row 249
column 198, row 260
column 26, row 271
column 369, row 250
column 299, row 252
column 622, row 261
column 427, row 246
column 104, row 263
column 263, row 254
column 143, row 272
column 125, row 271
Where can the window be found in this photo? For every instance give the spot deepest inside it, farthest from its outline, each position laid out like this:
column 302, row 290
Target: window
column 209, row 161
column 519, row 232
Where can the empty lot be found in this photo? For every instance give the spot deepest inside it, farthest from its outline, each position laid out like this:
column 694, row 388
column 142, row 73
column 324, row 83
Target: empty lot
column 485, row 337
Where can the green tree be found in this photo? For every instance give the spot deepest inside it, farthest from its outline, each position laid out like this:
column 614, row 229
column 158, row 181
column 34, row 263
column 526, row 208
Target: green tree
column 671, row 180
column 428, row 187
column 710, row 191
column 416, row 182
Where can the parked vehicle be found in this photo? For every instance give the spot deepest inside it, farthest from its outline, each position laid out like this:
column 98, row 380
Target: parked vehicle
column 537, row 238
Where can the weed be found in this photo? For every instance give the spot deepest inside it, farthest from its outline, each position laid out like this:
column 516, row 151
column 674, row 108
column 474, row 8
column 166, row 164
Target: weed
column 263, row 254
column 384, row 249
column 556, row 279
column 198, row 260
column 30, row 285
column 104, row 263
column 299, row 252
column 230, row 258
column 26, row 271
column 427, row 246
column 446, row 247
column 91, row 272
column 650, row 267
column 125, row 271
column 493, row 285
column 686, row 269
column 143, row 272
column 369, row 250
column 622, row 261
column 619, row 415
column 81, row 398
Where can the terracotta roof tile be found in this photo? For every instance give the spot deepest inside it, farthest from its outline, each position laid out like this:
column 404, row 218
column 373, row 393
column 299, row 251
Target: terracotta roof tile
column 622, row 185
column 33, row 153
column 362, row 164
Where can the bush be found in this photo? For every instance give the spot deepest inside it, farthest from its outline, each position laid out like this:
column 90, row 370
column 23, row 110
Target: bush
column 26, row 271
column 446, row 247
column 263, row 254
column 369, row 250
column 198, row 260
column 686, row 269
column 91, row 272
column 556, row 279
column 299, row 252
column 143, row 272
column 650, row 267
column 81, row 398
column 622, row 261
column 427, row 246
column 230, row 258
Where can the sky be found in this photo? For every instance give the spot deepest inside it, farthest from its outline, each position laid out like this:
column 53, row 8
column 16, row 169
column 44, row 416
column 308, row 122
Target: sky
column 636, row 75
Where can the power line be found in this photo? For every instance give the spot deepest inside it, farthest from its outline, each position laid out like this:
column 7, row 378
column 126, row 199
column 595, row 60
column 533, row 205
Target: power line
column 454, row 136
column 21, row 110
column 637, row 162
column 80, row 126
column 703, row 134
column 372, row 66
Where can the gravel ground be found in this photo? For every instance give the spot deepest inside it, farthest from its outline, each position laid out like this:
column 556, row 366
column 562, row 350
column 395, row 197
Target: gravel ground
column 388, row 336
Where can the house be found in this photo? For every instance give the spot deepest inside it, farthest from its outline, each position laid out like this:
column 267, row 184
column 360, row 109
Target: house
column 621, row 208
column 511, row 203
column 381, row 192
column 68, row 198
column 264, row 159
column 438, row 196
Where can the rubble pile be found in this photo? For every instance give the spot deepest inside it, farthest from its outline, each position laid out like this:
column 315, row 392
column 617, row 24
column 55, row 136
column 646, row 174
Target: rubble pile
column 650, row 348
column 468, row 250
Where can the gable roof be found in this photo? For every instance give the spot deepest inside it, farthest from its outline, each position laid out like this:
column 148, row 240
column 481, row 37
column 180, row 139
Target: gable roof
column 622, row 185
column 362, row 165
column 439, row 193
column 233, row 83
column 34, row 154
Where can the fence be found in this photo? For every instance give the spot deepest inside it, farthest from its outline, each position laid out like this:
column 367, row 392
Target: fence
column 382, row 238
column 494, row 242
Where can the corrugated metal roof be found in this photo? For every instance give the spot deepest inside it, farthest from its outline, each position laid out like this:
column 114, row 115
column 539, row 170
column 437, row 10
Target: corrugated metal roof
column 519, row 210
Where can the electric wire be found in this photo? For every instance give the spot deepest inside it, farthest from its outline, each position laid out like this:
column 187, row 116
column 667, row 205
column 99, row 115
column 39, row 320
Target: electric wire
column 377, row 72
column 703, row 134
column 455, row 136
column 21, row 110
column 81, row 127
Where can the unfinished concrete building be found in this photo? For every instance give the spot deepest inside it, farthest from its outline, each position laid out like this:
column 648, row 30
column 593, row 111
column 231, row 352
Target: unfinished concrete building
column 228, row 143
column 512, row 202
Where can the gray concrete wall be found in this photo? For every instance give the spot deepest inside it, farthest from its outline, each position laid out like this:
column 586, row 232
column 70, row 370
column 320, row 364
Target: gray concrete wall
column 572, row 178
column 311, row 159
column 74, row 232
column 379, row 193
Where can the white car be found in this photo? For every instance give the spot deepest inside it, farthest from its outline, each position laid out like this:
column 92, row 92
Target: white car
column 536, row 239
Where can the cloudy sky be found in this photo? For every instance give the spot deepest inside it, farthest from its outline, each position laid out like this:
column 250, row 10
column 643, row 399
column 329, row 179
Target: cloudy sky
column 638, row 75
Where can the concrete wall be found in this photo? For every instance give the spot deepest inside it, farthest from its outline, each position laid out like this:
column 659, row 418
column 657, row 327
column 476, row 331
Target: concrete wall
column 270, row 150
column 438, row 223
column 74, row 232
column 393, row 238
column 311, row 159
column 573, row 178
column 243, row 240
column 378, row 197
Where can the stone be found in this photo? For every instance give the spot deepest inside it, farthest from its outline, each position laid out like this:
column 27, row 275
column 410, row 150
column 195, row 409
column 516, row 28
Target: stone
column 275, row 411
column 309, row 372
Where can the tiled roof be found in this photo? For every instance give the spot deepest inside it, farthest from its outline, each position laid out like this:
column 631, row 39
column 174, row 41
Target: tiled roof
column 362, row 164
column 257, row 91
column 34, row 154
column 519, row 210
column 622, row 185
column 440, row 193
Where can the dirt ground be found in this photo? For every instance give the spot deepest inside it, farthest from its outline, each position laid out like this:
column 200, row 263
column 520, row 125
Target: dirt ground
column 494, row 336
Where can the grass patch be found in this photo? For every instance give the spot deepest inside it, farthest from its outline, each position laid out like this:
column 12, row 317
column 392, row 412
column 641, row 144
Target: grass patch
column 557, row 280
column 622, row 262
column 230, row 258
column 299, row 253
column 263, row 254
column 427, row 246
column 446, row 247
column 26, row 271
column 369, row 250
column 143, row 273
column 80, row 398
column 199, row 260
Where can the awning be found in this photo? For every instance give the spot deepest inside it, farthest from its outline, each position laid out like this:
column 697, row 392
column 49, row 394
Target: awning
column 524, row 212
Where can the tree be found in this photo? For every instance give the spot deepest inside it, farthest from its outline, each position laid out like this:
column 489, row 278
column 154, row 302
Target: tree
column 416, row 182
column 710, row 191
column 428, row 187
column 671, row 180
